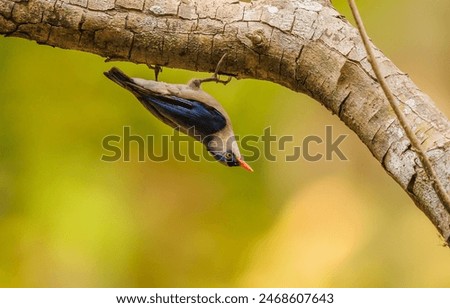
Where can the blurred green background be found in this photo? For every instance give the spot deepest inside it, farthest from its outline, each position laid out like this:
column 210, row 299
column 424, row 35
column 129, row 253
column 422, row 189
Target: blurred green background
column 68, row 219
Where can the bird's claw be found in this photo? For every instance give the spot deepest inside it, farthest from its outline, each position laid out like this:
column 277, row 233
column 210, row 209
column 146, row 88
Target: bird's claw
column 156, row 68
column 215, row 77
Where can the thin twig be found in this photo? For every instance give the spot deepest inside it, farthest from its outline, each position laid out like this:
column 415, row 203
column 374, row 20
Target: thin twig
column 437, row 184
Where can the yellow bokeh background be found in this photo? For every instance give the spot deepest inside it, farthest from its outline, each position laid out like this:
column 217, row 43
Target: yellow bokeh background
column 67, row 219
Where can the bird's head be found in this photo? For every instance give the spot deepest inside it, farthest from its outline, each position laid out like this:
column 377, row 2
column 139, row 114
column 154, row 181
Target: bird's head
column 231, row 159
column 227, row 154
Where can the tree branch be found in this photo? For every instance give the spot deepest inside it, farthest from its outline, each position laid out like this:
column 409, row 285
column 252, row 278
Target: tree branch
column 306, row 46
column 417, row 146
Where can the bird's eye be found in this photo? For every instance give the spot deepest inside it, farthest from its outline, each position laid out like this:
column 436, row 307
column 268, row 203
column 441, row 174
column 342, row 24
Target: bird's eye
column 228, row 155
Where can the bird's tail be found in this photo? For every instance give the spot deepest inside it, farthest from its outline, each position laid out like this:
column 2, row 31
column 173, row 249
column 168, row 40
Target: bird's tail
column 124, row 81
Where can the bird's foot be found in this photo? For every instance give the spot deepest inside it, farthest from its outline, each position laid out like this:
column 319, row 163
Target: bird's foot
column 156, row 68
column 215, row 77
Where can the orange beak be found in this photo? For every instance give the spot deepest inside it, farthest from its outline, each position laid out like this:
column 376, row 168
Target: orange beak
column 244, row 165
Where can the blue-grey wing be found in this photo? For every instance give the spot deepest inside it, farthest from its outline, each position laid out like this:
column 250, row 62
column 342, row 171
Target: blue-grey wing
column 186, row 113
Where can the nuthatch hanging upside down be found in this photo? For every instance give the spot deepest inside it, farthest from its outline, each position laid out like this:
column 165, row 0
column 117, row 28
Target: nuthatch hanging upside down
column 188, row 109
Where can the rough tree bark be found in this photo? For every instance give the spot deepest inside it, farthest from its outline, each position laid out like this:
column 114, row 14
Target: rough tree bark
column 304, row 45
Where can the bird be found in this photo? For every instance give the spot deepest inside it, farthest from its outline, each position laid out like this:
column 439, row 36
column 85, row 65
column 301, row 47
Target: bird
column 189, row 109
